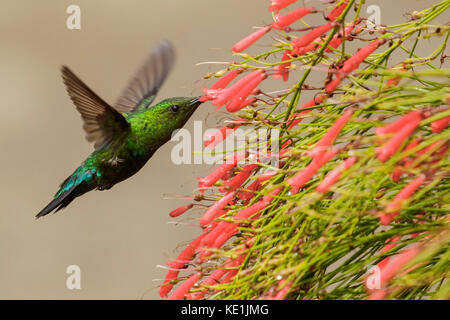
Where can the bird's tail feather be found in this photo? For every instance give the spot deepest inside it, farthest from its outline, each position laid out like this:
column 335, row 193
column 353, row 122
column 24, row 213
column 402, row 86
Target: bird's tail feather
column 58, row 203
column 75, row 185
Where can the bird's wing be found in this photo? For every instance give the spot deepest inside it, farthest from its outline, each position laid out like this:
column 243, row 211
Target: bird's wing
column 144, row 86
column 101, row 122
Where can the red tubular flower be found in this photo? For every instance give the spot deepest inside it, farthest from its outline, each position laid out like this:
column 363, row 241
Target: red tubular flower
column 313, row 102
column 247, row 195
column 219, row 172
column 277, row 5
column 186, row 255
column 354, row 61
column 392, row 243
column 413, row 116
column 231, row 228
column 216, row 209
column 237, row 102
column 266, row 176
column 233, row 268
column 439, row 125
column 166, row 286
column 308, row 48
column 393, row 81
column 282, row 70
column 226, row 79
column 313, row 34
column 397, row 263
column 226, row 94
column 398, row 171
column 337, row 39
column 219, row 136
column 331, row 135
column 184, row 288
column 337, row 11
column 247, row 102
column 283, row 21
column 392, row 146
column 183, row 258
column 332, row 85
column 180, row 210
column 213, row 177
column 240, row 178
column 268, row 199
column 250, row 39
column 334, row 175
column 212, row 279
column 393, row 208
column 211, row 237
column 301, row 178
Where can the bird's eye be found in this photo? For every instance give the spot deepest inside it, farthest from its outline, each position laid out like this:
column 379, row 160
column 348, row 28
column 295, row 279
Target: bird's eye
column 174, row 108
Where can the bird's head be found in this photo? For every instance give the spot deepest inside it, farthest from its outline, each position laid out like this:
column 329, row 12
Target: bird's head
column 173, row 113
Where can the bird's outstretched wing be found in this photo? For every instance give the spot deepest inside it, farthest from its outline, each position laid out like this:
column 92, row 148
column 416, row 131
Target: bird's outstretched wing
column 144, row 86
column 101, row 122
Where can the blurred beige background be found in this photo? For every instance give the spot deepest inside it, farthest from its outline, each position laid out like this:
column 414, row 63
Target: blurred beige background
column 119, row 236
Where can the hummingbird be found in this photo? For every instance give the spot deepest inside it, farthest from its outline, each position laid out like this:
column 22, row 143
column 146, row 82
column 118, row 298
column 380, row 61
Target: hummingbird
column 126, row 134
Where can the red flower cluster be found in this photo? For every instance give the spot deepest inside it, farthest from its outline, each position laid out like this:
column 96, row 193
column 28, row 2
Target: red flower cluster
column 221, row 221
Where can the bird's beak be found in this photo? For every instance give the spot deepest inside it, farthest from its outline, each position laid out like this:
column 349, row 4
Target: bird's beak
column 195, row 102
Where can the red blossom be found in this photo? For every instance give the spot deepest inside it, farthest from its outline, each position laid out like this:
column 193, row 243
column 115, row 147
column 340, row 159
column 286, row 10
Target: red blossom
column 277, row 5
column 180, row 210
column 392, row 146
column 282, row 70
column 217, row 137
column 183, row 258
column 332, row 85
column 239, row 100
column 248, row 194
column 397, row 263
column 226, row 94
column 313, row 34
column 413, row 116
column 398, row 171
column 250, row 39
column 214, row 211
column 226, row 79
column 301, row 178
column 439, row 125
column 166, row 286
column 337, row 39
column 333, row 176
column 331, row 135
column 184, row 288
column 391, row 244
column 230, row 228
column 283, row 21
column 353, row 63
column 233, row 268
column 393, row 81
column 337, row 11
column 355, row 60
column 308, row 48
column 219, row 172
column 240, row 178
column 393, row 208
column 313, row 102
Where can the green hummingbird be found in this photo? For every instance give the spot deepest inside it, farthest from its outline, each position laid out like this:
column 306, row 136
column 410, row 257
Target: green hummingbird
column 127, row 134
